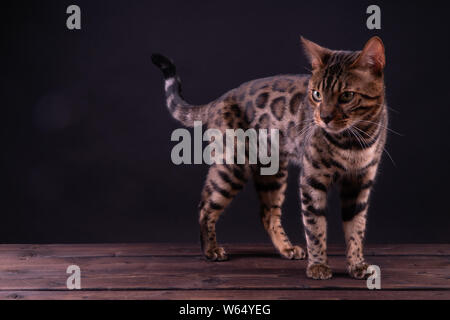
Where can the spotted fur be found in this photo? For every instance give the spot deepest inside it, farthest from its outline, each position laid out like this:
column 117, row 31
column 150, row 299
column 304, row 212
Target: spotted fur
column 335, row 141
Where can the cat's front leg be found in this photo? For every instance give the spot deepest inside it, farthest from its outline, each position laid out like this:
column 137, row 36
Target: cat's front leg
column 313, row 193
column 355, row 192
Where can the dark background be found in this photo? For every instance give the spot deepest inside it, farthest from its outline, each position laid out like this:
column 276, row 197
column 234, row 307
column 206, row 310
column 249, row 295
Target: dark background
column 86, row 135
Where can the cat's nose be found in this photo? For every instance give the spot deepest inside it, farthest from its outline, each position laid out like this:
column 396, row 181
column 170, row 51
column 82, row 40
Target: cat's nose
column 326, row 117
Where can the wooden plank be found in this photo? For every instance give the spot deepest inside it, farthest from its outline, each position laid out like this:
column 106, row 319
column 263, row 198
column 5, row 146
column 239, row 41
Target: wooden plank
column 251, row 272
column 24, row 251
column 226, row 295
column 174, row 271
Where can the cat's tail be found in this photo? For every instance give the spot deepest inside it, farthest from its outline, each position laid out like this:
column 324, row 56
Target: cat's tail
column 178, row 107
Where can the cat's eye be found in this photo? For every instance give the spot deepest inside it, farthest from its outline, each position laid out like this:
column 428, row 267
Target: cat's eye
column 316, row 96
column 346, row 97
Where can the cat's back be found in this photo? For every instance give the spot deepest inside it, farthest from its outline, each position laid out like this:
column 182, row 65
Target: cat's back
column 274, row 86
column 270, row 102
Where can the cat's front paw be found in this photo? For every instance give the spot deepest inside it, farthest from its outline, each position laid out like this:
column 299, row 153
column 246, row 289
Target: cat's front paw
column 294, row 253
column 319, row 272
column 216, row 254
column 358, row 271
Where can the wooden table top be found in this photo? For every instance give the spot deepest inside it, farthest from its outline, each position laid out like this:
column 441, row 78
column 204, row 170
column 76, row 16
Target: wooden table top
column 178, row 271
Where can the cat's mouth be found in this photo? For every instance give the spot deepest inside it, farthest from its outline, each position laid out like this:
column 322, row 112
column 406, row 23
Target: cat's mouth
column 332, row 127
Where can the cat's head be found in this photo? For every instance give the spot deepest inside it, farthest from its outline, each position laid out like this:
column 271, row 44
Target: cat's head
column 345, row 87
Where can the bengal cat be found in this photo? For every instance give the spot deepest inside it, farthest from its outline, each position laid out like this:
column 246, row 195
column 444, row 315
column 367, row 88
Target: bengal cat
column 332, row 123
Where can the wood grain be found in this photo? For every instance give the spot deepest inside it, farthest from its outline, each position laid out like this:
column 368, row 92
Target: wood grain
column 177, row 271
column 225, row 295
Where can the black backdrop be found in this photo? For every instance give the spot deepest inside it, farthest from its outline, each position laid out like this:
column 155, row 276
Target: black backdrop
column 86, row 136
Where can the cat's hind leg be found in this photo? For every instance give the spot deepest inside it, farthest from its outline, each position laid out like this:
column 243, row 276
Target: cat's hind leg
column 222, row 184
column 271, row 191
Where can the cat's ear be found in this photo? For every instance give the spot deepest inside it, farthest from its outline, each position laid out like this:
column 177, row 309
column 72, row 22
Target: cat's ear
column 372, row 56
column 316, row 54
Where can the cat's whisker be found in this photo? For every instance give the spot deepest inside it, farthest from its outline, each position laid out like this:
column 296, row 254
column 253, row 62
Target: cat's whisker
column 389, row 155
column 351, row 131
column 362, row 139
column 379, row 124
column 308, row 132
column 384, row 149
column 306, row 128
column 362, row 131
column 389, row 107
column 392, row 109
